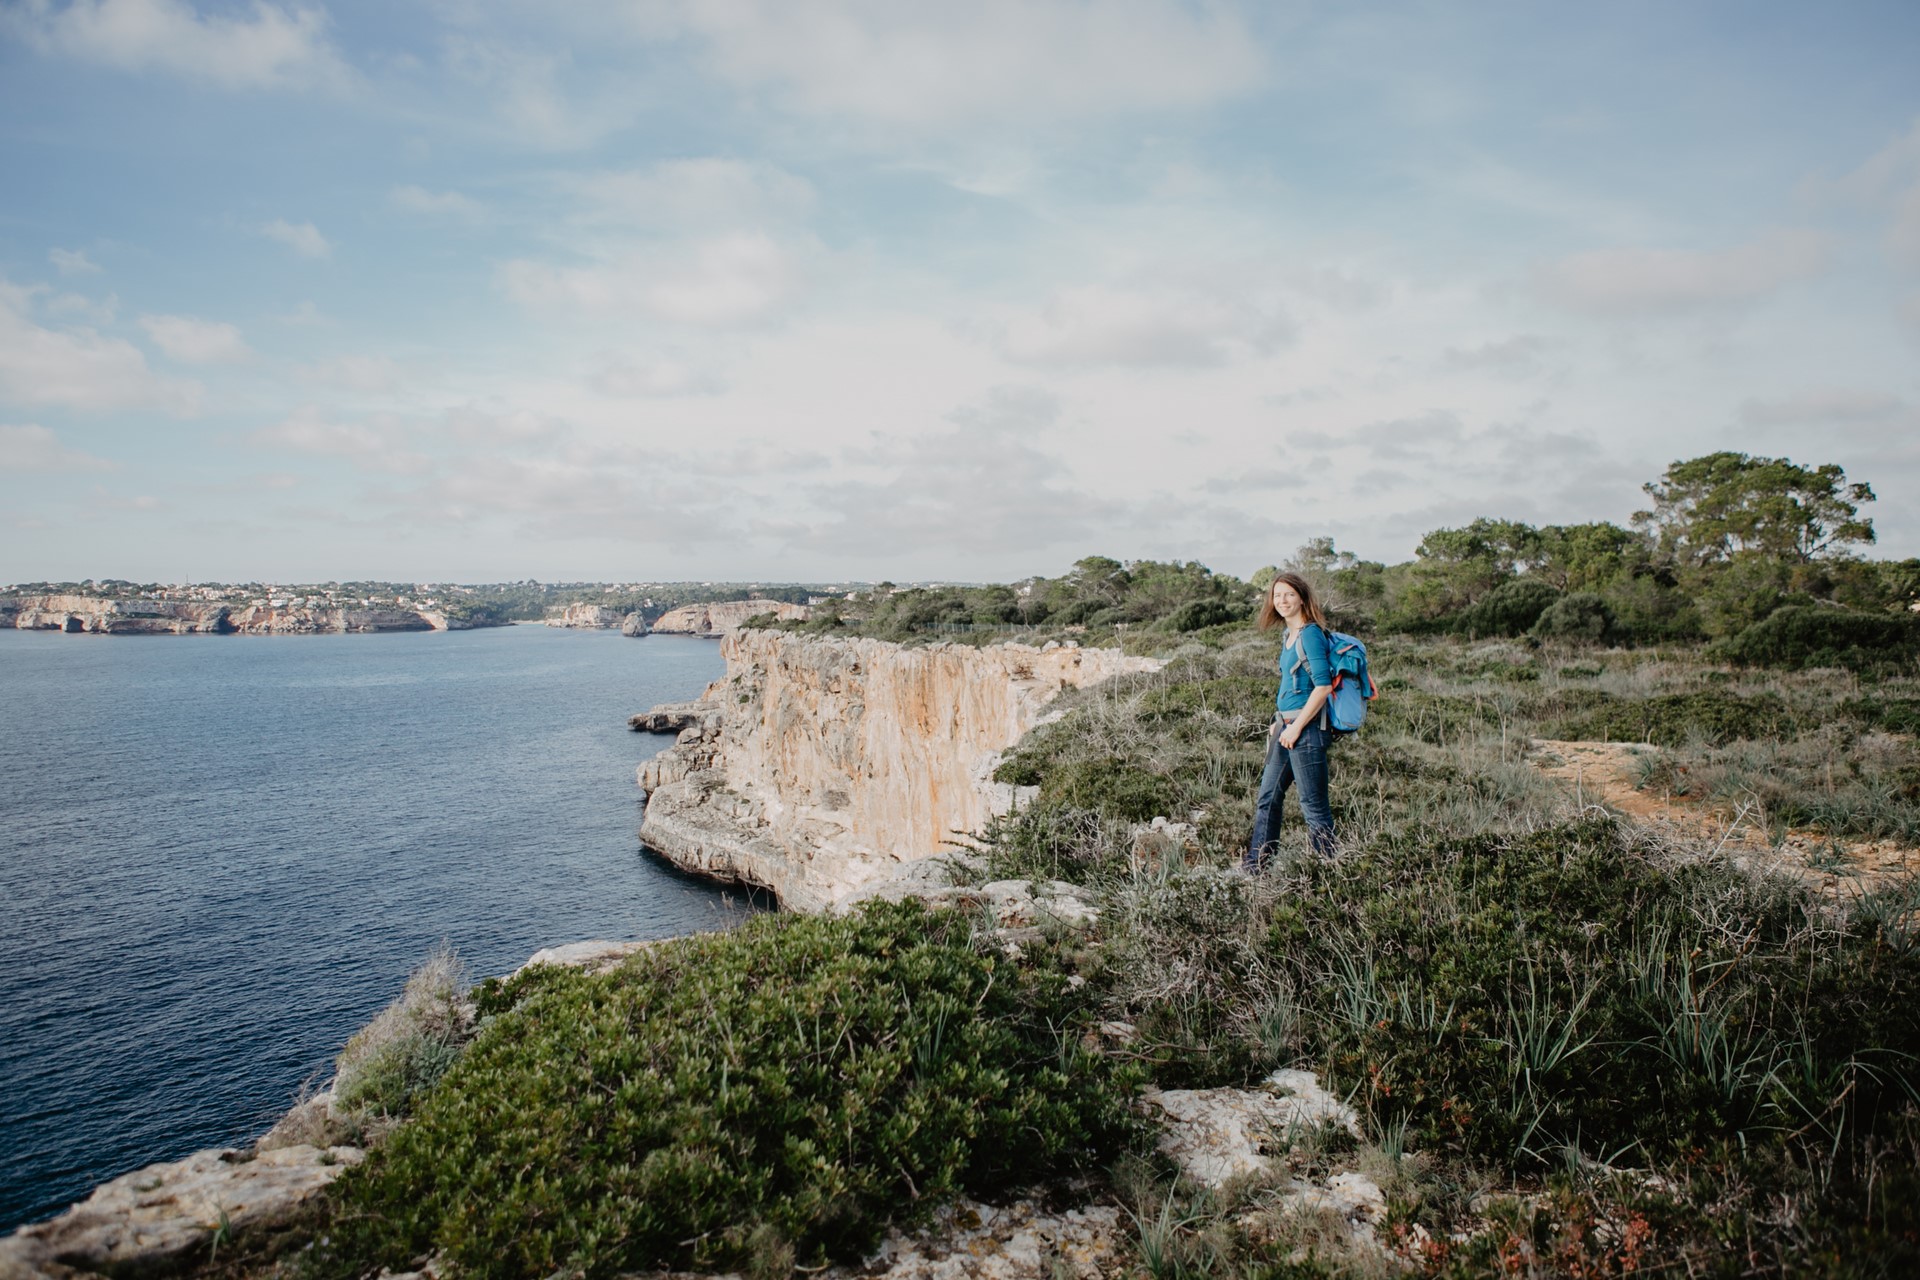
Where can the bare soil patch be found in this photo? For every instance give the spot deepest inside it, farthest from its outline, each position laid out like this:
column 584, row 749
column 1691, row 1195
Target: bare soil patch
column 1608, row 773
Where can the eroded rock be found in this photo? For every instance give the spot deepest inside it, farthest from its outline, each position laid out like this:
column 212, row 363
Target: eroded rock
column 828, row 763
column 724, row 617
column 974, row 1241
column 164, row 1218
column 1217, row 1135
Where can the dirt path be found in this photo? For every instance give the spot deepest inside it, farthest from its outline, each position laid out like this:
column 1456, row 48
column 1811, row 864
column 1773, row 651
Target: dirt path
column 1608, row 773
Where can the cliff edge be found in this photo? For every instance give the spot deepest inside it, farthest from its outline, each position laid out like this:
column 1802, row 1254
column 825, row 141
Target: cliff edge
column 818, row 766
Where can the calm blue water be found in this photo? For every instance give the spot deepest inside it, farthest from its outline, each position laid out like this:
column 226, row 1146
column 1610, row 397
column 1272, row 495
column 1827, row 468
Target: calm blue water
column 221, row 855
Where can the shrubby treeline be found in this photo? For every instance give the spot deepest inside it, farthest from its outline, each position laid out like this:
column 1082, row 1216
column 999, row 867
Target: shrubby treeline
column 1757, row 555
column 1727, row 542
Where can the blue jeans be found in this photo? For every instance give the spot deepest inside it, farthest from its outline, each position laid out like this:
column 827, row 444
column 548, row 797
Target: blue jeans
column 1305, row 764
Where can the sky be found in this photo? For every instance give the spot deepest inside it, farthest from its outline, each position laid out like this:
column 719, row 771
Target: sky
column 478, row 290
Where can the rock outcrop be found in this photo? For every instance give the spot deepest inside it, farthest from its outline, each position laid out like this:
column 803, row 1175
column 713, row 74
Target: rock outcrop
column 167, row 1217
column 591, row 616
column 725, row 617
column 306, row 620
column 99, row 616
column 820, row 765
column 634, row 625
column 672, row 717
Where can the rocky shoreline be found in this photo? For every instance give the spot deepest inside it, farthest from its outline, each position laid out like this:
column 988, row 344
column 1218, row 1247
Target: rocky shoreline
column 95, row 615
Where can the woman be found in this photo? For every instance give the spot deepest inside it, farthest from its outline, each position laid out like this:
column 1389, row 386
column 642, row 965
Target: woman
column 1297, row 740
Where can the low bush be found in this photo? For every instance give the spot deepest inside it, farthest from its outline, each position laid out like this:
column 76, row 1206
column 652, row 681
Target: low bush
column 1671, row 719
column 1111, row 786
column 402, row 1053
column 1893, row 714
column 1508, row 610
column 1196, row 614
column 1503, row 996
column 1582, row 617
column 775, row 1094
column 1801, row 636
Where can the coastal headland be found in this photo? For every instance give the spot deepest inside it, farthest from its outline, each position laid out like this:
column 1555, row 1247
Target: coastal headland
column 820, row 765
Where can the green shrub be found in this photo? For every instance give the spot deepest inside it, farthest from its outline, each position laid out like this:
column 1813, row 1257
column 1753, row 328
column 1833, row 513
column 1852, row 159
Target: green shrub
column 1895, row 715
column 1196, row 614
column 1504, row 995
column 1581, row 616
column 402, row 1053
column 784, row 1090
column 1802, row 636
column 1671, row 719
column 1508, row 610
column 1109, row 786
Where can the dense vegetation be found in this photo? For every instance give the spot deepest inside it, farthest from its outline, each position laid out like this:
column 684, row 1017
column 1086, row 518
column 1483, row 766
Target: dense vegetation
column 1578, row 1047
column 1578, row 1027
column 775, row 1094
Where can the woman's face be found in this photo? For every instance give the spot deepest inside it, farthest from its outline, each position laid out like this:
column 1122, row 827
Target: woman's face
column 1286, row 601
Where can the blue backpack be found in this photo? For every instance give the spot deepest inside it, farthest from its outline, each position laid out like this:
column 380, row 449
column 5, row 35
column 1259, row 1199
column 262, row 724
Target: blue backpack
column 1353, row 686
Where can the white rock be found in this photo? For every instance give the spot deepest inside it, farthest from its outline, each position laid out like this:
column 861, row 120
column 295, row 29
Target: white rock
column 166, row 1215
column 596, row 956
column 1217, row 1135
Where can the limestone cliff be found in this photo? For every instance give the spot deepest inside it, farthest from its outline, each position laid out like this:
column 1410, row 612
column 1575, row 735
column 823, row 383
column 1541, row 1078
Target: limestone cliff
column 819, row 765
column 301, row 620
column 719, row 619
column 77, row 613
column 101, row 616
column 591, row 616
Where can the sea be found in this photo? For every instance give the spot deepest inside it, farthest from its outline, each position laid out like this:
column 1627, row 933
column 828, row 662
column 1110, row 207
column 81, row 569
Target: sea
column 222, row 855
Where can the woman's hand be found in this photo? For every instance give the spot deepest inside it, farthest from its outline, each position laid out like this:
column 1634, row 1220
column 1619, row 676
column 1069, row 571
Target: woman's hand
column 1290, row 734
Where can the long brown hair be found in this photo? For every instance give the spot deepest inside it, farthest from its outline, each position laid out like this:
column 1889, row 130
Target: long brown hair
column 1309, row 603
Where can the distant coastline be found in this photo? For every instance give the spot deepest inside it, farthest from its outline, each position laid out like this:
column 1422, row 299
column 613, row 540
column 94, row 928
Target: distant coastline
column 100, row 615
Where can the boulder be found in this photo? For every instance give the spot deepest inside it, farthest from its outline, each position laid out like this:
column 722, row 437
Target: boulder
column 634, row 625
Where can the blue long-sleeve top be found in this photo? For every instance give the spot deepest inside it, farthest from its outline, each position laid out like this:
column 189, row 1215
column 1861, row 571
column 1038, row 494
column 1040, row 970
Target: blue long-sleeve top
column 1298, row 679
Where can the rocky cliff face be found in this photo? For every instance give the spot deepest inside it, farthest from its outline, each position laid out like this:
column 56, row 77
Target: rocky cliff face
column 818, row 766
column 592, row 616
column 99, row 616
column 269, row 620
column 112, row 617
column 720, row 619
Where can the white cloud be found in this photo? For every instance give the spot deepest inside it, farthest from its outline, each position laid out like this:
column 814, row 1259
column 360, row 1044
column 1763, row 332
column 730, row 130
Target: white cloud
column 194, row 341
column 1883, row 174
column 1821, row 406
column 1098, row 325
column 78, row 368
column 1515, row 357
column 365, row 374
column 435, row 203
column 379, row 447
column 623, row 378
column 1647, row 282
column 701, row 193
column 1903, row 233
column 1017, row 61
column 72, row 262
column 302, row 237
column 98, row 310
column 536, row 94
column 719, row 281
column 31, row 447
column 982, row 487
column 265, row 46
